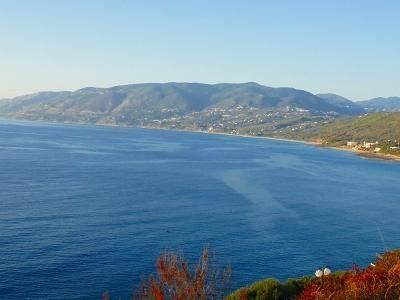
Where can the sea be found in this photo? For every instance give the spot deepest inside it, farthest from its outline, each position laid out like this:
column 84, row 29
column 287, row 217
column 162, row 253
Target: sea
column 88, row 209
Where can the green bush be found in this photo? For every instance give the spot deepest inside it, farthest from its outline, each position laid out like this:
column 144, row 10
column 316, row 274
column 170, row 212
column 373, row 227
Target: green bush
column 271, row 289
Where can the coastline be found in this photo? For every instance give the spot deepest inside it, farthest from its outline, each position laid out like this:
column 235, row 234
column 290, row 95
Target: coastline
column 369, row 154
column 228, row 134
column 361, row 153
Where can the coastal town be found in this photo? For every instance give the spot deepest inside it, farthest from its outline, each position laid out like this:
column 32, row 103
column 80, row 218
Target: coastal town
column 382, row 147
column 373, row 145
column 241, row 120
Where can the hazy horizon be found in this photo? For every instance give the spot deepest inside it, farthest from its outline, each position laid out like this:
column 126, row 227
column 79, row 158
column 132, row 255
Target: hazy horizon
column 348, row 48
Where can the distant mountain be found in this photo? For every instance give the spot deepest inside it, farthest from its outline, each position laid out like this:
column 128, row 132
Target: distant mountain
column 342, row 102
column 381, row 104
column 136, row 103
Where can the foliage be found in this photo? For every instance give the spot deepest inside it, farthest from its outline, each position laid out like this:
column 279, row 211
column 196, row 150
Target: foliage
column 382, row 127
column 177, row 281
column 379, row 282
column 271, row 289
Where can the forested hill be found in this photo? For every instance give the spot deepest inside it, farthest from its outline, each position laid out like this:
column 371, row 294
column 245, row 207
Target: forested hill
column 137, row 104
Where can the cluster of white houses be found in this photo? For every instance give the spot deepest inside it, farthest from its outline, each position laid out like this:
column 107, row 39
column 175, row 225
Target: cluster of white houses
column 368, row 146
column 364, row 145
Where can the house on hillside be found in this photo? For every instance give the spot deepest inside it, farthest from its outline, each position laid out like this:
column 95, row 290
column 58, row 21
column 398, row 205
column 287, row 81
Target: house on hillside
column 351, row 144
column 368, row 145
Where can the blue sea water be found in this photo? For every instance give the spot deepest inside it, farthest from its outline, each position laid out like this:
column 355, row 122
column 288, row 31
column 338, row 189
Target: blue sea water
column 87, row 209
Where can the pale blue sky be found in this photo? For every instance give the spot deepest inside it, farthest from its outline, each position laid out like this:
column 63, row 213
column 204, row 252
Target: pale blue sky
column 347, row 47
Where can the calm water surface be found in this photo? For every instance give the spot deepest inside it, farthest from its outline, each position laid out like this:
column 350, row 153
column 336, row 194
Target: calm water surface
column 86, row 209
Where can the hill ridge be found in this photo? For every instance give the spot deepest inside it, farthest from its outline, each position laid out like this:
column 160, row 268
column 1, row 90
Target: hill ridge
column 184, row 96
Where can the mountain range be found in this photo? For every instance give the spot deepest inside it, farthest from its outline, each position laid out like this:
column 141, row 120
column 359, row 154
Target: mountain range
column 132, row 101
column 247, row 108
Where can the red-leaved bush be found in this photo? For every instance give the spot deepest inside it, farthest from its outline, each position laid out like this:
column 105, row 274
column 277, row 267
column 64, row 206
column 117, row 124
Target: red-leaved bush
column 381, row 281
column 177, row 280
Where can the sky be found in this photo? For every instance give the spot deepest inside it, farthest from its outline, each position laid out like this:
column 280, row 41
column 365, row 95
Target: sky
column 347, row 47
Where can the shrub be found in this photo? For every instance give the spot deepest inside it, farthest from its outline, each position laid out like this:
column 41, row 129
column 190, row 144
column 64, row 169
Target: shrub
column 271, row 289
column 379, row 282
column 176, row 280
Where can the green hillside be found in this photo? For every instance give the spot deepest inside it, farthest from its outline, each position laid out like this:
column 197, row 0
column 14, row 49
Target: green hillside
column 382, row 127
column 137, row 104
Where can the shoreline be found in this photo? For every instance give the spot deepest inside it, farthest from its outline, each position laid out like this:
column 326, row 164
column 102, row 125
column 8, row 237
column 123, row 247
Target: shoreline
column 360, row 153
column 227, row 134
column 369, row 154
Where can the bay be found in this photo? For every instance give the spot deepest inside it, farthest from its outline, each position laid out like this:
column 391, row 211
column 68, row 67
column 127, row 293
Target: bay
column 87, row 209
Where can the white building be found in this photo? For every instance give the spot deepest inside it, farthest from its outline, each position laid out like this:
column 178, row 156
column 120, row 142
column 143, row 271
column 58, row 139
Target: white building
column 351, row 144
column 368, row 145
